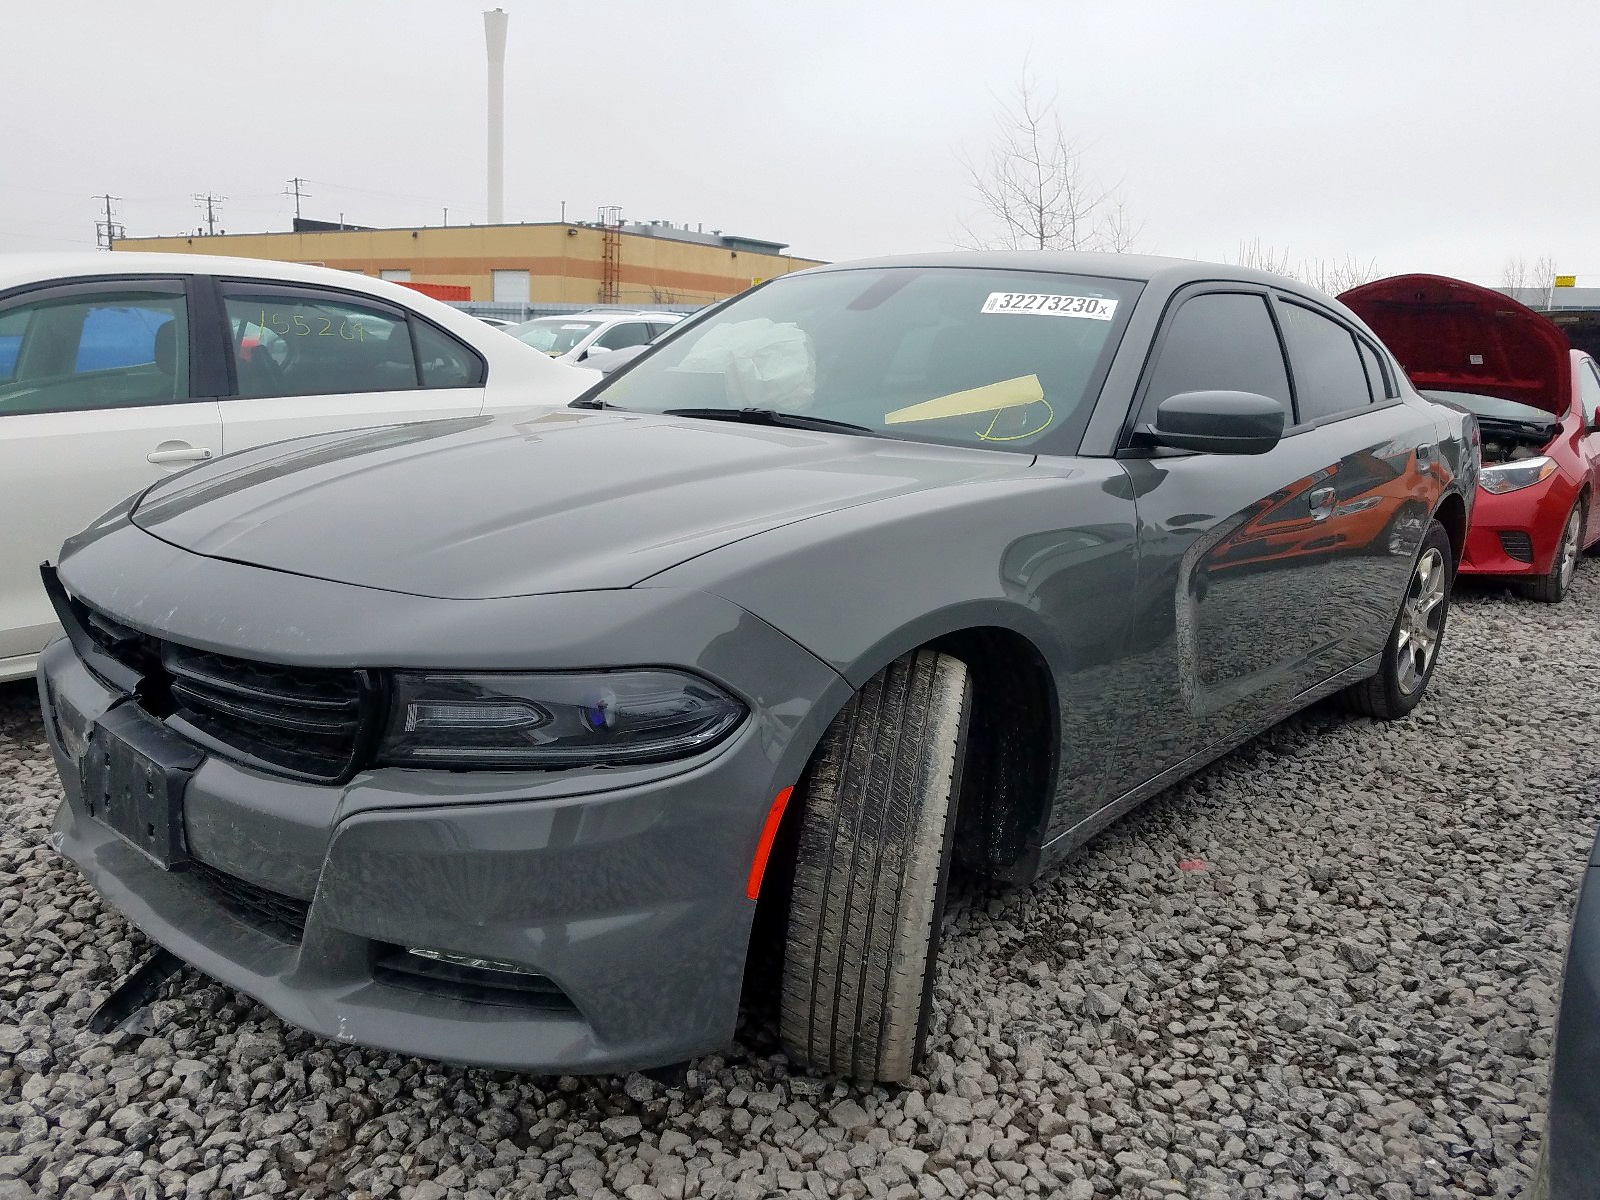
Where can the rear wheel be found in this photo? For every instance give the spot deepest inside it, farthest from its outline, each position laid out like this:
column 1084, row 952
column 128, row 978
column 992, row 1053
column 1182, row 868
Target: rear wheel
column 1413, row 647
column 878, row 812
column 1552, row 587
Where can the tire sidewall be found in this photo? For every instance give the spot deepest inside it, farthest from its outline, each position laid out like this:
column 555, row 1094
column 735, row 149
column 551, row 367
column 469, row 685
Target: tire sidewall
column 1401, row 701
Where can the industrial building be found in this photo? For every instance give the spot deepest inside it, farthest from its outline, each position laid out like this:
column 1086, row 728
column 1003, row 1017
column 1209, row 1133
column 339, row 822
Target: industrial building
column 607, row 262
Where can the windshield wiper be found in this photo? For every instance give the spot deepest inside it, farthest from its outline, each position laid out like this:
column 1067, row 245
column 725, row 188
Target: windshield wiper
column 771, row 416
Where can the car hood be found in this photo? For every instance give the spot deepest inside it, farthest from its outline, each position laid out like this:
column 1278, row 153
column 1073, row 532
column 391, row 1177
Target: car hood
column 1456, row 336
column 567, row 500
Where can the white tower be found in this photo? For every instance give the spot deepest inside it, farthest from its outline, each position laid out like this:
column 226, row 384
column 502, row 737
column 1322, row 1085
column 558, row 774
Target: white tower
column 494, row 33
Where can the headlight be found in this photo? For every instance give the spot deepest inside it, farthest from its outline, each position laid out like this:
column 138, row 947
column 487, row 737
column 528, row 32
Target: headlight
column 544, row 721
column 1513, row 476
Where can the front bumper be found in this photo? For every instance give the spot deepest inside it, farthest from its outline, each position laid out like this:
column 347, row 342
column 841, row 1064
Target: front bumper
column 1517, row 533
column 624, row 888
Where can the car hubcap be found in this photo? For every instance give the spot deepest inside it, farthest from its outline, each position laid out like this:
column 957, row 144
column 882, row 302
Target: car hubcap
column 1421, row 619
column 1569, row 548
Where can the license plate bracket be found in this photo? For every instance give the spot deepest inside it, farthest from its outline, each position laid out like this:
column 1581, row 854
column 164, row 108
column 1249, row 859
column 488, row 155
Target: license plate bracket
column 134, row 776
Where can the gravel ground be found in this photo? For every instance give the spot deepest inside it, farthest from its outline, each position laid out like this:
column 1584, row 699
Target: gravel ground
column 1326, row 966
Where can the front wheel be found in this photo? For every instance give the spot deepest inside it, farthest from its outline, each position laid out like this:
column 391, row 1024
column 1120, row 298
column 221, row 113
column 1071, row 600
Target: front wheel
column 877, row 821
column 1551, row 588
column 1413, row 647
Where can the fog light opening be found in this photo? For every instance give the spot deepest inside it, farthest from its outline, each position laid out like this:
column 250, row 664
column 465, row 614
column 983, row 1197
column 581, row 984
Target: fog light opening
column 470, row 963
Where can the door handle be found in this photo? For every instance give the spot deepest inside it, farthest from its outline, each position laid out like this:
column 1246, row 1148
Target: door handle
column 1425, row 453
column 1322, row 502
column 188, row 454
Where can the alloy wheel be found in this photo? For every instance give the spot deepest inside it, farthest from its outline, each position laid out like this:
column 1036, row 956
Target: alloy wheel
column 1569, row 547
column 1421, row 621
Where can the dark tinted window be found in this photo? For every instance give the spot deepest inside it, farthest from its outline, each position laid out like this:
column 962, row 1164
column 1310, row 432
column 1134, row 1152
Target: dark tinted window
column 100, row 349
column 1378, row 380
column 619, row 337
column 1218, row 342
column 12, row 327
column 305, row 343
column 1328, row 374
column 445, row 362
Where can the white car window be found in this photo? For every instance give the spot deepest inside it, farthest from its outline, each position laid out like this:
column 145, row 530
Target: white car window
column 303, row 342
column 553, row 335
column 105, row 349
column 624, row 334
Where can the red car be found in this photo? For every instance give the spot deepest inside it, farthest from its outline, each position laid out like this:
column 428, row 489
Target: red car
column 1537, row 401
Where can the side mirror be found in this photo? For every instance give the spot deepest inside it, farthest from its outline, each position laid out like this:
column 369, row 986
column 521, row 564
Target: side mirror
column 1218, row 422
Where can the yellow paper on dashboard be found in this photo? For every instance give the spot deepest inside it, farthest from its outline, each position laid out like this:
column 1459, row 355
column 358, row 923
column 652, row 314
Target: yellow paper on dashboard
column 1007, row 393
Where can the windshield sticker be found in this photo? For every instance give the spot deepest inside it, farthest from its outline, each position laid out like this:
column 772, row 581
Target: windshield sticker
column 1007, row 393
column 1037, row 304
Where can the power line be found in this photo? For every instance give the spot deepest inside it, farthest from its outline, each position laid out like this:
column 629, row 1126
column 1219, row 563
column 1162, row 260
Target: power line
column 212, row 203
column 294, row 186
column 108, row 231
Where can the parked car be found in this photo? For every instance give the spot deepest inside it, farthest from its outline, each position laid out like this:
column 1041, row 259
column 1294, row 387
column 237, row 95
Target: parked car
column 1569, row 1161
column 1538, row 405
column 572, row 339
column 497, row 322
column 481, row 740
column 116, row 371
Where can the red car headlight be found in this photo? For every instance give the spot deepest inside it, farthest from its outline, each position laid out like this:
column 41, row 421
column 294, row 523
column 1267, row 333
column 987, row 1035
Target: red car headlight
column 1514, row 476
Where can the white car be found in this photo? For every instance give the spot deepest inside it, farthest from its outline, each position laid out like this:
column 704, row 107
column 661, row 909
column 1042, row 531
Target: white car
column 116, row 369
column 573, row 338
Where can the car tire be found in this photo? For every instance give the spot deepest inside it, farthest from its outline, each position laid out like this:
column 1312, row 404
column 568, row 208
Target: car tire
column 1412, row 651
column 1552, row 587
column 877, row 818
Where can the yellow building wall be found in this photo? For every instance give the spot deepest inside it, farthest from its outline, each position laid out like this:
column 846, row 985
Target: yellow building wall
column 564, row 262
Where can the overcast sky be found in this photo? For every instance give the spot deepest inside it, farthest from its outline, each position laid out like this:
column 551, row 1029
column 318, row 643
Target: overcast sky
column 1428, row 136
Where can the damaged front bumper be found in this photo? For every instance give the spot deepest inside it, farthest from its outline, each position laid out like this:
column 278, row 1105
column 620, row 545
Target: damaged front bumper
column 567, row 921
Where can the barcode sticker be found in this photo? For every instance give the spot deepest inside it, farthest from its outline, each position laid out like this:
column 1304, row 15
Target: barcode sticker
column 1037, row 304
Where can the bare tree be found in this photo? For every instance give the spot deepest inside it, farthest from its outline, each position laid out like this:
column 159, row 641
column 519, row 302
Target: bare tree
column 1326, row 275
column 1033, row 192
column 1514, row 276
column 1263, row 258
column 1542, row 277
column 1338, row 275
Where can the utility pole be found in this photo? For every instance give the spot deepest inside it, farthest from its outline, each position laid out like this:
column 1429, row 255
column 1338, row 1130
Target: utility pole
column 210, row 202
column 108, row 231
column 295, row 187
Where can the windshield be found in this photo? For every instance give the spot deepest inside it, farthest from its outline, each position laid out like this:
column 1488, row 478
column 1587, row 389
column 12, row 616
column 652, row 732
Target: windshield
column 1492, row 406
column 553, row 335
column 946, row 354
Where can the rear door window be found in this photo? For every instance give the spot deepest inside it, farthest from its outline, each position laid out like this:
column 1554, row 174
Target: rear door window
column 305, row 342
column 445, row 362
column 1379, row 382
column 1329, row 376
column 95, row 348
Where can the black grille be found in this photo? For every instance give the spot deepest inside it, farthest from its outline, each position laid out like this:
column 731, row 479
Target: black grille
column 308, row 722
column 1517, row 545
column 278, row 916
column 304, row 720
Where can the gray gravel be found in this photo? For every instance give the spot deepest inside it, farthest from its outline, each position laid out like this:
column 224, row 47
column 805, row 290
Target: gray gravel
column 1352, row 997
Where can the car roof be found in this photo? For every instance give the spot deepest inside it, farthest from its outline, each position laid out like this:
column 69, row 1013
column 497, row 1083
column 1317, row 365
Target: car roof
column 1144, row 268
column 16, row 269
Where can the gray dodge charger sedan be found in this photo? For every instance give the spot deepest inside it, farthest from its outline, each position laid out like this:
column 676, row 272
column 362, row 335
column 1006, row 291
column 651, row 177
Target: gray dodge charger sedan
column 486, row 739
